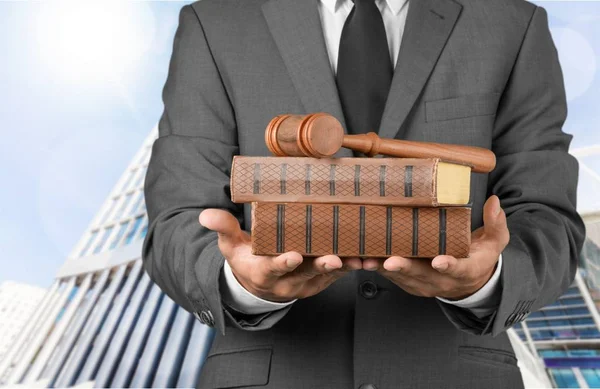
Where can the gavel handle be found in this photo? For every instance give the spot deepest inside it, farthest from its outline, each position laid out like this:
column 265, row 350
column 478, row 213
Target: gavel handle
column 481, row 160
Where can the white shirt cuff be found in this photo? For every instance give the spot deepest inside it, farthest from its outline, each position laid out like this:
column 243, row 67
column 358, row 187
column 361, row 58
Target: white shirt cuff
column 485, row 301
column 238, row 298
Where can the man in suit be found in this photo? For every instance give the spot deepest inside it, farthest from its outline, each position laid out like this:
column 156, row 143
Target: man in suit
column 471, row 72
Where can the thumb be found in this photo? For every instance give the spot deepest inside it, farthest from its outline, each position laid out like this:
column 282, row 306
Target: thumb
column 494, row 221
column 222, row 222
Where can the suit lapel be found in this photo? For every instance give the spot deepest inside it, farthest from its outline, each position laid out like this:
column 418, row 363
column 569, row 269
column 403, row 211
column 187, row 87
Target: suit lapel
column 428, row 26
column 296, row 28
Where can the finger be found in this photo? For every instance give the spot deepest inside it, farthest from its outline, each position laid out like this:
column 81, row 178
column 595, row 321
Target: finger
column 283, row 264
column 318, row 283
column 419, row 286
column 494, row 222
column 397, row 263
column 412, row 267
column 372, row 264
column 222, row 222
column 350, row 264
column 452, row 266
column 318, row 266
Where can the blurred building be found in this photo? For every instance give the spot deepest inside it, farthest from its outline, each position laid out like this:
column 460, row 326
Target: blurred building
column 17, row 302
column 566, row 334
column 103, row 323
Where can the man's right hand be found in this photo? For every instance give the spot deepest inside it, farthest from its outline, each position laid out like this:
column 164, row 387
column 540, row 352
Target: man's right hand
column 276, row 278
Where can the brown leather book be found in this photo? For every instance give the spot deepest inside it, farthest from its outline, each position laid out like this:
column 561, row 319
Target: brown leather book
column 360, row 230
column 384, row 181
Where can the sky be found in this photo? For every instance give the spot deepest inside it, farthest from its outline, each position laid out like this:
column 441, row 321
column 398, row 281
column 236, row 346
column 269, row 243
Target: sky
column 74, row 108
column 78, row 96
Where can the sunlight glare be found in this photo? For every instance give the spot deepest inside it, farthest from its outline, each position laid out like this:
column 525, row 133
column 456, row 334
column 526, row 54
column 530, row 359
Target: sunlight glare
column 89, row 41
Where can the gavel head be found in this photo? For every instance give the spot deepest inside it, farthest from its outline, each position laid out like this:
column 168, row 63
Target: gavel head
column 317, row 135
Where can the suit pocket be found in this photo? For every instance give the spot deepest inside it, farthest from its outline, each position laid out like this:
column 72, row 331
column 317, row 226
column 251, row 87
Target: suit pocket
column 236, row 369
column 480, row 104
column 487, row 355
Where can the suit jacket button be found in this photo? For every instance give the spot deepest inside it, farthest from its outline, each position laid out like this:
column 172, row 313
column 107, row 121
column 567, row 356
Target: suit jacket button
column 519, row 317
column 522, row 316
column 368, row 290
column 510, row 320
column 207, row 318
column 367, row 386
column 197, row 316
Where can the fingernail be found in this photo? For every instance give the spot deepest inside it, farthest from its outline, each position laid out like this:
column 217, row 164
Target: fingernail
column 292, row 262
column 328, row 267
column 393, row 267
column 497, row 208
column 441, row 266
column 370, row 268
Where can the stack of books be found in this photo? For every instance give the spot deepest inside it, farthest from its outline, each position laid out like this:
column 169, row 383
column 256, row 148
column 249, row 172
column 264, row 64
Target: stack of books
column 365, row 207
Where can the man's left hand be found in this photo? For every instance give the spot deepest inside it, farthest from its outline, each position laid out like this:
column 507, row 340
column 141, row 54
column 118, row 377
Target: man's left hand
column 446, row 276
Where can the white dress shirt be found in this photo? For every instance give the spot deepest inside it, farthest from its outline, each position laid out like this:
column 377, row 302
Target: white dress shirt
column 333, row 15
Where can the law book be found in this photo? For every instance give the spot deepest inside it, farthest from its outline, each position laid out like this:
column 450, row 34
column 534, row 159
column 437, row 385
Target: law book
column 360, row 230
column 417, row 182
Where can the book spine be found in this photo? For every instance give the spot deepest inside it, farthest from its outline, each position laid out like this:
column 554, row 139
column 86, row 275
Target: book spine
column 306, row 180
column 360, row 230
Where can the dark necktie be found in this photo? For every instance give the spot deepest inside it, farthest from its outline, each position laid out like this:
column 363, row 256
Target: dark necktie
column 364, row 70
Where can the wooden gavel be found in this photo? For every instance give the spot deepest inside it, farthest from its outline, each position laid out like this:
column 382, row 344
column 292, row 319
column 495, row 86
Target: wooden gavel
column 321, row 135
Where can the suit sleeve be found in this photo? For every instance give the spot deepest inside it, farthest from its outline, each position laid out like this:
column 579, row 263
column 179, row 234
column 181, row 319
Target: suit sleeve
column 536, row 181
column 189, row 171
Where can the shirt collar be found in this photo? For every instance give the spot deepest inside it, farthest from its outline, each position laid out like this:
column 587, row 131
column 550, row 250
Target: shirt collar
column 334, row 5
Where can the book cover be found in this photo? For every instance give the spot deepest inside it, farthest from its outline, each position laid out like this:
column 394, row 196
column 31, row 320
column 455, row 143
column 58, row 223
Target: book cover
column 385, row 181
column 360, row 230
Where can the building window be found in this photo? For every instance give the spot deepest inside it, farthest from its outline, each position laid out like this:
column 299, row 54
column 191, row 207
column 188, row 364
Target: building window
column 144, row 231
column 578, row 311
column 109, row 211
column 134, row 229
column 537, row 324
column 553, row 323
column 588, row 333
column 573, row 291
column 573, row 301
column 136, row 205
column 591, row 377
column 546, row 334
column 141, row 177
column 90, row 240
column 582, row 320
column 553, row 353
column 103, row 240
column 119, row 235
column 564, row 378
column 128, row 180
column 126, row 202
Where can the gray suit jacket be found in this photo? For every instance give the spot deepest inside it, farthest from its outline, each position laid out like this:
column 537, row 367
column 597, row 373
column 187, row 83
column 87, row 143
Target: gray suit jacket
column 472, row 72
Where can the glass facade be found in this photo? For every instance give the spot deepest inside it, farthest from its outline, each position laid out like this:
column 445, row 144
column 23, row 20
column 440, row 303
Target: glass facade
column 566, row 333
column 136, row 206
column 565, row 378
column 91, row 239
column 119, row 235
column 109, row 325
column 105, row 235
column 134, row 229
column 567, row 318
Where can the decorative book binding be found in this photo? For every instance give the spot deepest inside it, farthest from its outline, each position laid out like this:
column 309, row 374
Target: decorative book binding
column 383, row 181
column 360, row 230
